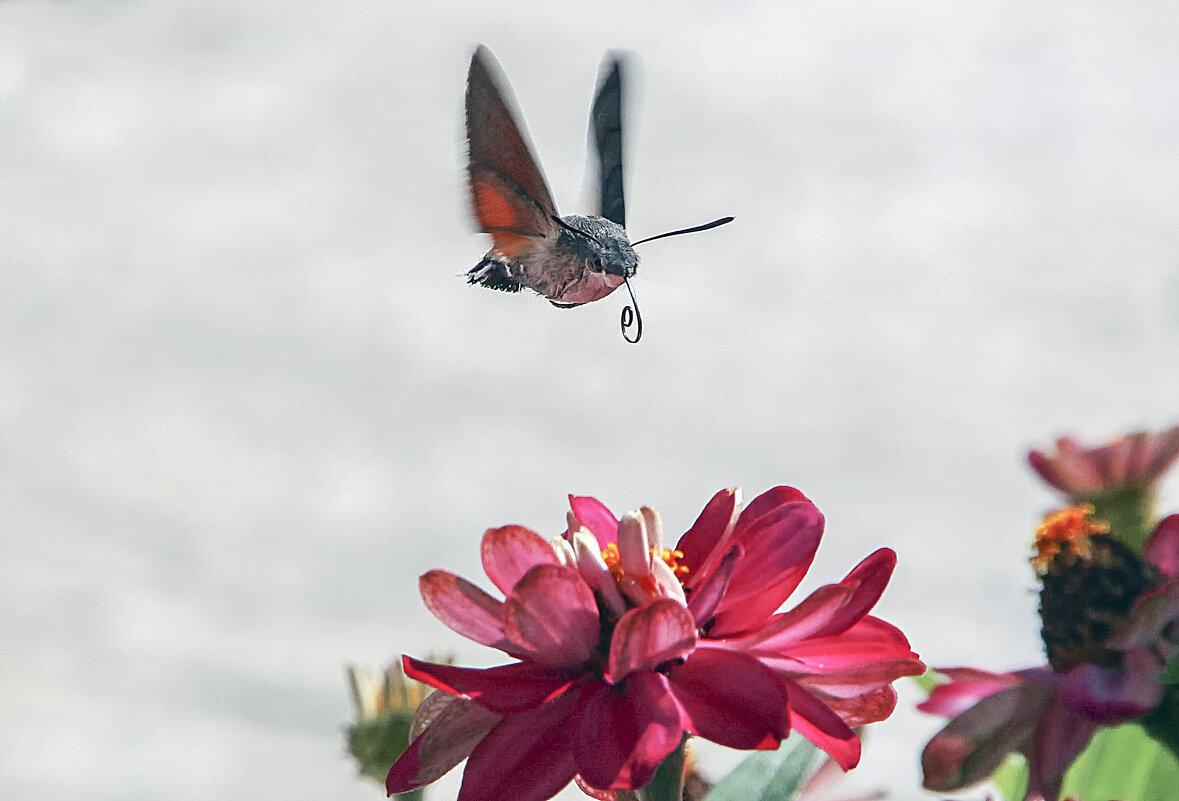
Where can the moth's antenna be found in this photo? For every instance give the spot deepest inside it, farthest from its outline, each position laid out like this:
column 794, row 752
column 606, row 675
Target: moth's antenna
column 694, row 229
column 573, row 230
column 631, row 316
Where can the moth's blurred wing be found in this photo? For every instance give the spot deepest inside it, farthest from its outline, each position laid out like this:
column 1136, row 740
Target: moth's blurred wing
column 509, row 195
column 606, row 131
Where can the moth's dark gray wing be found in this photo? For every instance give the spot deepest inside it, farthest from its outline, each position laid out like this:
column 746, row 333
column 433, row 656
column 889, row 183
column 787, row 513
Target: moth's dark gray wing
column 606, row 129
column 509, row 195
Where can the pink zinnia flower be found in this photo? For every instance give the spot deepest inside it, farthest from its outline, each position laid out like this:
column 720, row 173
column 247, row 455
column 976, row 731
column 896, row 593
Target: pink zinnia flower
column 623, row 646
column 1050, row 715
column 1135, row 461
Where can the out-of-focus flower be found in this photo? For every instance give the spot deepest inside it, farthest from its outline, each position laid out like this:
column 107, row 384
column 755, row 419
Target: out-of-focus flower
column 385, row 703
column 1117, row 479
column 1110, row 625
column 1135, row 460
column 623, row 646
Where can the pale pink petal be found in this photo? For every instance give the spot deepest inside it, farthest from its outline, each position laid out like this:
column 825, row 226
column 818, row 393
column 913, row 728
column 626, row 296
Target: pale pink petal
column 456, row 727
column 1114, row 695
column 527, row 757
column 624, row 732
column 464, row 608
column 815, row 721
column 732, row 699
column 1162, row 549
column 707, row 534
column 650, row 635
column 503, row 689
column 634, row 549
column 551, row 616
column 511, row 551
column 594, row 515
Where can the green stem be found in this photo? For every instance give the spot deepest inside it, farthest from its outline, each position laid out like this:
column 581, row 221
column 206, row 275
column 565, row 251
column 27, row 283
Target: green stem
column 668, row 782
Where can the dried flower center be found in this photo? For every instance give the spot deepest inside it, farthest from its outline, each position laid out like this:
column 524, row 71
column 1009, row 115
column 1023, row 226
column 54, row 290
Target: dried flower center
column 1065, row 531
column 1088, row 584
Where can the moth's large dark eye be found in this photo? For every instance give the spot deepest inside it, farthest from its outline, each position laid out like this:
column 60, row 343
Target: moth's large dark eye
column 596, row 264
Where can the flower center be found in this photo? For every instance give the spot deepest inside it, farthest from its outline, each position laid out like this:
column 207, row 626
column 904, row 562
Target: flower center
column 613, row 559
column 1088, row 584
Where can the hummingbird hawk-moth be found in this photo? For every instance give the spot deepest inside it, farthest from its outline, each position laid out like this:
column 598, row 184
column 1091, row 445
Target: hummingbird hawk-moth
column 569, row 260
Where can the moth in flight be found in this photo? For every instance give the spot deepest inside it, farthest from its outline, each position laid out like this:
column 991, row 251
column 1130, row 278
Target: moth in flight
column 570, row 260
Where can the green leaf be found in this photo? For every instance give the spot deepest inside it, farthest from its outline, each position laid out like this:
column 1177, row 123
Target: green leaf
column 1011, row 778
column 769, row 775
column 1123, row 762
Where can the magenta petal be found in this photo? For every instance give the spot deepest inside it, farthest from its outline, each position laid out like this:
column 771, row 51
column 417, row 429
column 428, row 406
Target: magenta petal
column 594, row 515
column 464, row 608
column 527, row 757
column 503, row 689
column 966, row 687
column 552, row 617
column 766, row 503
column 732, row 699
column 972, row 745
column 779, row 548
column 1114, row 695
column 1162, row 549
column 868, row 578
column 815, row 721
column 625, row 731
column 1059, row 738
column 649, row 635
column 706, row 595
column 509, row 552
column 707, row 533
column 456, row 727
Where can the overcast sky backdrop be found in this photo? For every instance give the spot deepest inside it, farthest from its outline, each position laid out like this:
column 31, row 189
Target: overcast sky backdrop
column 246, row 399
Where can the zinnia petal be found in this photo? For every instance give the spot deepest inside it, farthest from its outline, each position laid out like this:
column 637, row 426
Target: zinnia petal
column 967, row 686
column 456, row 727
column 975, row 743
column 503, row 689
column 732, row 699
column 625, row 731
column 464, row 607
column 1114, row 695
column 647, row 636
column 552, row 617
column 526, row 757
column 707, row 534
column 779, row 547
column 818, row 723
column 509, row 552
column 594, row 515
column 1162, row 549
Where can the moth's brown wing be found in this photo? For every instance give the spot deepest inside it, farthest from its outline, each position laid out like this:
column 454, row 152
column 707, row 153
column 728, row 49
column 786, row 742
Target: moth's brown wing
column 509, row 195
column 606, row 130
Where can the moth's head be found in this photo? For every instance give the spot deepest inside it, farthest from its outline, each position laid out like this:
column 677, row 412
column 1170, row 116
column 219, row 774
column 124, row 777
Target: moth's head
column 602, row 245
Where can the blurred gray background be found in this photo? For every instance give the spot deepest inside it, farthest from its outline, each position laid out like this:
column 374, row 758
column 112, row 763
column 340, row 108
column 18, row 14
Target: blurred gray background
column 246, row 399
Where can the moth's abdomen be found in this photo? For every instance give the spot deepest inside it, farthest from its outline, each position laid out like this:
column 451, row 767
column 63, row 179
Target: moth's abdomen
column 494, row 274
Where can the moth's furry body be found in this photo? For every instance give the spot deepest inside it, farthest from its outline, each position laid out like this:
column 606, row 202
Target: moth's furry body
column 567, row 268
